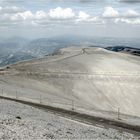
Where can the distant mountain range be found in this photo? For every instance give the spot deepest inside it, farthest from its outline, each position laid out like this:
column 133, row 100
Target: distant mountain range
column 124, row 49
column 17, row 48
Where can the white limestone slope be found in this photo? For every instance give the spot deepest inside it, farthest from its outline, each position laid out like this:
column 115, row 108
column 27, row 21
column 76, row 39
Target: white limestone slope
column 94, row 78
column 23, row 122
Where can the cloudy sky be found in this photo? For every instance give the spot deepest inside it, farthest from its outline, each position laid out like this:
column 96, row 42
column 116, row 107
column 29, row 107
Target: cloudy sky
column 43, row 18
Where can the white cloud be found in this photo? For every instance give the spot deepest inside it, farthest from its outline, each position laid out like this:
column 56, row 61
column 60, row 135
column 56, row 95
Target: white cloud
column 60, row 13
column 131, row 14
column 22, row 16
column 110, row 13
column 83, row 15
column 92, row 20
column 96, row 20
column 18, row 16
column 86, row 18
column 128, row 21
column 40, row 15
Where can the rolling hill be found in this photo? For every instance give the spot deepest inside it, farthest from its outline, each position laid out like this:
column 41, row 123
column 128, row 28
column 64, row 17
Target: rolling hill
column 93, row 78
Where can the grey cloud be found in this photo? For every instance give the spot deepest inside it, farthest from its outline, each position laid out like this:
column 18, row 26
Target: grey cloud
column 11, row 9
column 130, row 1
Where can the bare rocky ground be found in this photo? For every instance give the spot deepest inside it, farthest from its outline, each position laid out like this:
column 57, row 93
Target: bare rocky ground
column 18, row 121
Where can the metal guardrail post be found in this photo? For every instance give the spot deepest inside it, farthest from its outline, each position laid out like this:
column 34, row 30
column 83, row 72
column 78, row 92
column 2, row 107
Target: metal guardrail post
column 119, row 113
column 40, row 99
column 72, row 105
column 16, row 95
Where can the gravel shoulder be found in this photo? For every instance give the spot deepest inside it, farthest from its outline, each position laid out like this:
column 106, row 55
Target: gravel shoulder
column 18, row 121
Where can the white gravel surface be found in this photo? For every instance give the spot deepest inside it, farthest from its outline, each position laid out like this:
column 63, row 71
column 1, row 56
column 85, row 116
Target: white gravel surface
column 23, row 122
